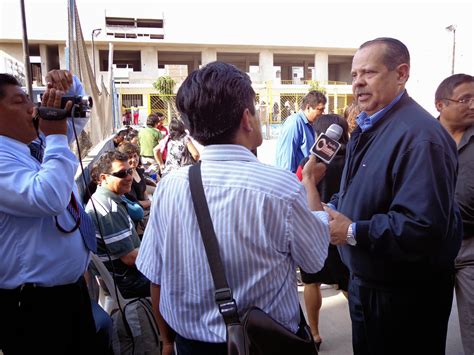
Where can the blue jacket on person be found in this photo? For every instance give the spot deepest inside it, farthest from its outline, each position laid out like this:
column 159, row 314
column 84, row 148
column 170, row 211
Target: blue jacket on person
column 398, row 187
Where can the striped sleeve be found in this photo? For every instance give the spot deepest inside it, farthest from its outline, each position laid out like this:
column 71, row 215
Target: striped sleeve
column 149, row 260
column 309, row 235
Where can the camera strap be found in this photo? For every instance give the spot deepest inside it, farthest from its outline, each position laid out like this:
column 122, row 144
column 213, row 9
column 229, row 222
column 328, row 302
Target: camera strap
column 73, row 210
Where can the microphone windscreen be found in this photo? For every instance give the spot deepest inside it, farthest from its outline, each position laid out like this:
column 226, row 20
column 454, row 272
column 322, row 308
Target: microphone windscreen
column 334, row 131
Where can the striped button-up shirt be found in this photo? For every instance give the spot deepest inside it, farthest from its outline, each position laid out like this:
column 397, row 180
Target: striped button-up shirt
column 264, row 228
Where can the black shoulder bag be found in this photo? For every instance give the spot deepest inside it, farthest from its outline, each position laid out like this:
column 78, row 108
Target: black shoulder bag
column 256, row 333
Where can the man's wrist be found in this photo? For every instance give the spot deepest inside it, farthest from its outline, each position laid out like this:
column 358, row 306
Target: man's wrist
column 350, row 238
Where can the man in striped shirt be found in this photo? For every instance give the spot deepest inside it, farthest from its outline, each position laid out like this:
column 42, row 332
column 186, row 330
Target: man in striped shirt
column 262, row 216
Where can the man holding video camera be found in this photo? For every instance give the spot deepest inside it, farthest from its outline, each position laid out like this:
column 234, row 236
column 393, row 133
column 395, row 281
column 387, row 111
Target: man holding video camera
column 44, row 302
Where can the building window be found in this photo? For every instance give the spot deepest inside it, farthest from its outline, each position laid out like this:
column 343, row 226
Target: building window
column 150, row 23
column 120, row 21
column 129, row 100
column 122, row 59
column 128, row 28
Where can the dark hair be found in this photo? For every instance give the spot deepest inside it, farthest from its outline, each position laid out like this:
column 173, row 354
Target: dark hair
column 7, row 79
column 350, row 114
column 131, row 135
column 104, row 163
column 177, row 129
column 128, row 148
column 447, row 86
column 396, row 52
column 152, row 120
column 212, row 101
column 122, row 132
column 161, row 116
column 322, row 123
column 313, row 99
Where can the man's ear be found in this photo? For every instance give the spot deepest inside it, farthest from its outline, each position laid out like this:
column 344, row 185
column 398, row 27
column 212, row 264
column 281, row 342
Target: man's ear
column 102, row 178
column 245, row 122
column 439, row 105
column 403, row 71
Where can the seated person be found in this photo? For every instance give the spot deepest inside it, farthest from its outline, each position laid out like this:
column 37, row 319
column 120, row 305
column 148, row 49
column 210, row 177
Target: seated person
column 138, row 191
column 120, row 239
column 132, row 137
column 119, row 137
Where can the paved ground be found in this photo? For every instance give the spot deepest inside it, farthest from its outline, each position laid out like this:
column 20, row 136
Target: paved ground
column 335, row 325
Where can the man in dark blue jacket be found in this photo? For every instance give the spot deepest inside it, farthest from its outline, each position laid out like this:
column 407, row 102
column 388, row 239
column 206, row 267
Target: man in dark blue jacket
column 397, row 224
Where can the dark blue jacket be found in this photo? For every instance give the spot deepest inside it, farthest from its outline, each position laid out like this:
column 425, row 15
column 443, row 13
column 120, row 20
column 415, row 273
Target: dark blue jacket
column 398, row 186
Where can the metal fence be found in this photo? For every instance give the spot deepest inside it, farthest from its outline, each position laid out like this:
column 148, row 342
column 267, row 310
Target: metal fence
column 273, row 105
column 166, row 104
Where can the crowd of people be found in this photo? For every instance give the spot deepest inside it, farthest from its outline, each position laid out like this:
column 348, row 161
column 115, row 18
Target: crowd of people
column 390, row 219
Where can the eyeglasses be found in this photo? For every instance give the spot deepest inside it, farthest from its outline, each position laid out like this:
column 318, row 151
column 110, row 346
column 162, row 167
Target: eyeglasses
column 122, row 173
column 463, row 101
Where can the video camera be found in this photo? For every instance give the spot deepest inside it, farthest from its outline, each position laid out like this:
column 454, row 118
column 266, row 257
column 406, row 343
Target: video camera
column 80, row 106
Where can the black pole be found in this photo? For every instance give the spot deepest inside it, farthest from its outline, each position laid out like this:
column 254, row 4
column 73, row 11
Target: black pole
column 454, row 50
column 93, row 54
column 26, row 52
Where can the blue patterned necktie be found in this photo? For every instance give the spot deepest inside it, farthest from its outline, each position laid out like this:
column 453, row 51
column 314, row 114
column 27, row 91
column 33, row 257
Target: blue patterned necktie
column 86, row 226
column 36, row 150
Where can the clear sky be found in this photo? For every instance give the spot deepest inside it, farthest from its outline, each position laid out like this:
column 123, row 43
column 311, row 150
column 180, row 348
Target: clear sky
column 419, row 24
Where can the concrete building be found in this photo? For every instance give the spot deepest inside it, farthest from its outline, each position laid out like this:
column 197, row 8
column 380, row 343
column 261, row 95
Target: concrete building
column 141, row 53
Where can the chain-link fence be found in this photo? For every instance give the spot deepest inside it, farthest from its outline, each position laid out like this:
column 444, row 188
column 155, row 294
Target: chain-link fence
column 273, row 106
column 166, row 104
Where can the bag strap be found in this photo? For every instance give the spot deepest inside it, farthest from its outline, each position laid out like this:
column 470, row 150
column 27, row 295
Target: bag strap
column 223, row 294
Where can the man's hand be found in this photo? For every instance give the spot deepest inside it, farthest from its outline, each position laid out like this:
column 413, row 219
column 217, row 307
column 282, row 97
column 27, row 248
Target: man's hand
column 52, row 98
column 59, row 79
column 338, row 226
column 313, row 171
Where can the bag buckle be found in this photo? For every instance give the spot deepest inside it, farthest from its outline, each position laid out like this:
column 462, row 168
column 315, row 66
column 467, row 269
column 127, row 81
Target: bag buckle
column 223, row 295
column 227, row 305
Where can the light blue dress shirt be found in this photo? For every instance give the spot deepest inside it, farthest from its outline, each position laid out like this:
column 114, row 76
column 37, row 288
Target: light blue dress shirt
column 264, row 228
column 365, row 122
column 32, row 249
column 295, row 141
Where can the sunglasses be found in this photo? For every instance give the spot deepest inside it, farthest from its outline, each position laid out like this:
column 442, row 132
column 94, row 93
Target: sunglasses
column 122, row 173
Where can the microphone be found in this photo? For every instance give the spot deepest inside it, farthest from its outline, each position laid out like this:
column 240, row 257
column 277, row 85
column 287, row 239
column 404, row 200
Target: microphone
column 326, row 146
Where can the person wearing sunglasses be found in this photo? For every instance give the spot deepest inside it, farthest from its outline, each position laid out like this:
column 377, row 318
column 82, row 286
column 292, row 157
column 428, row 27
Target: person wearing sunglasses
column 454, row 100
column 120, row 239
column 138, row 191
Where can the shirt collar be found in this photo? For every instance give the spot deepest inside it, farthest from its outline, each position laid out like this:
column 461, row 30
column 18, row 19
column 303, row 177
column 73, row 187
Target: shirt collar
column 468, row 134
column 366, row 122
column 107, row 193
column 303, row 117
column 227, row 152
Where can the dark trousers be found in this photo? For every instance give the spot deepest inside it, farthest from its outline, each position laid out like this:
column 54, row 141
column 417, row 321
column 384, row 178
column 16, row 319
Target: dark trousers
column 409, row 319
column 194, row 347
column 47, row 320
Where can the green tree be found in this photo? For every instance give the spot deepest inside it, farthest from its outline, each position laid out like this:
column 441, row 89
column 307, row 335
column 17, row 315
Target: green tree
column 165, row 86
column 314, row 85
